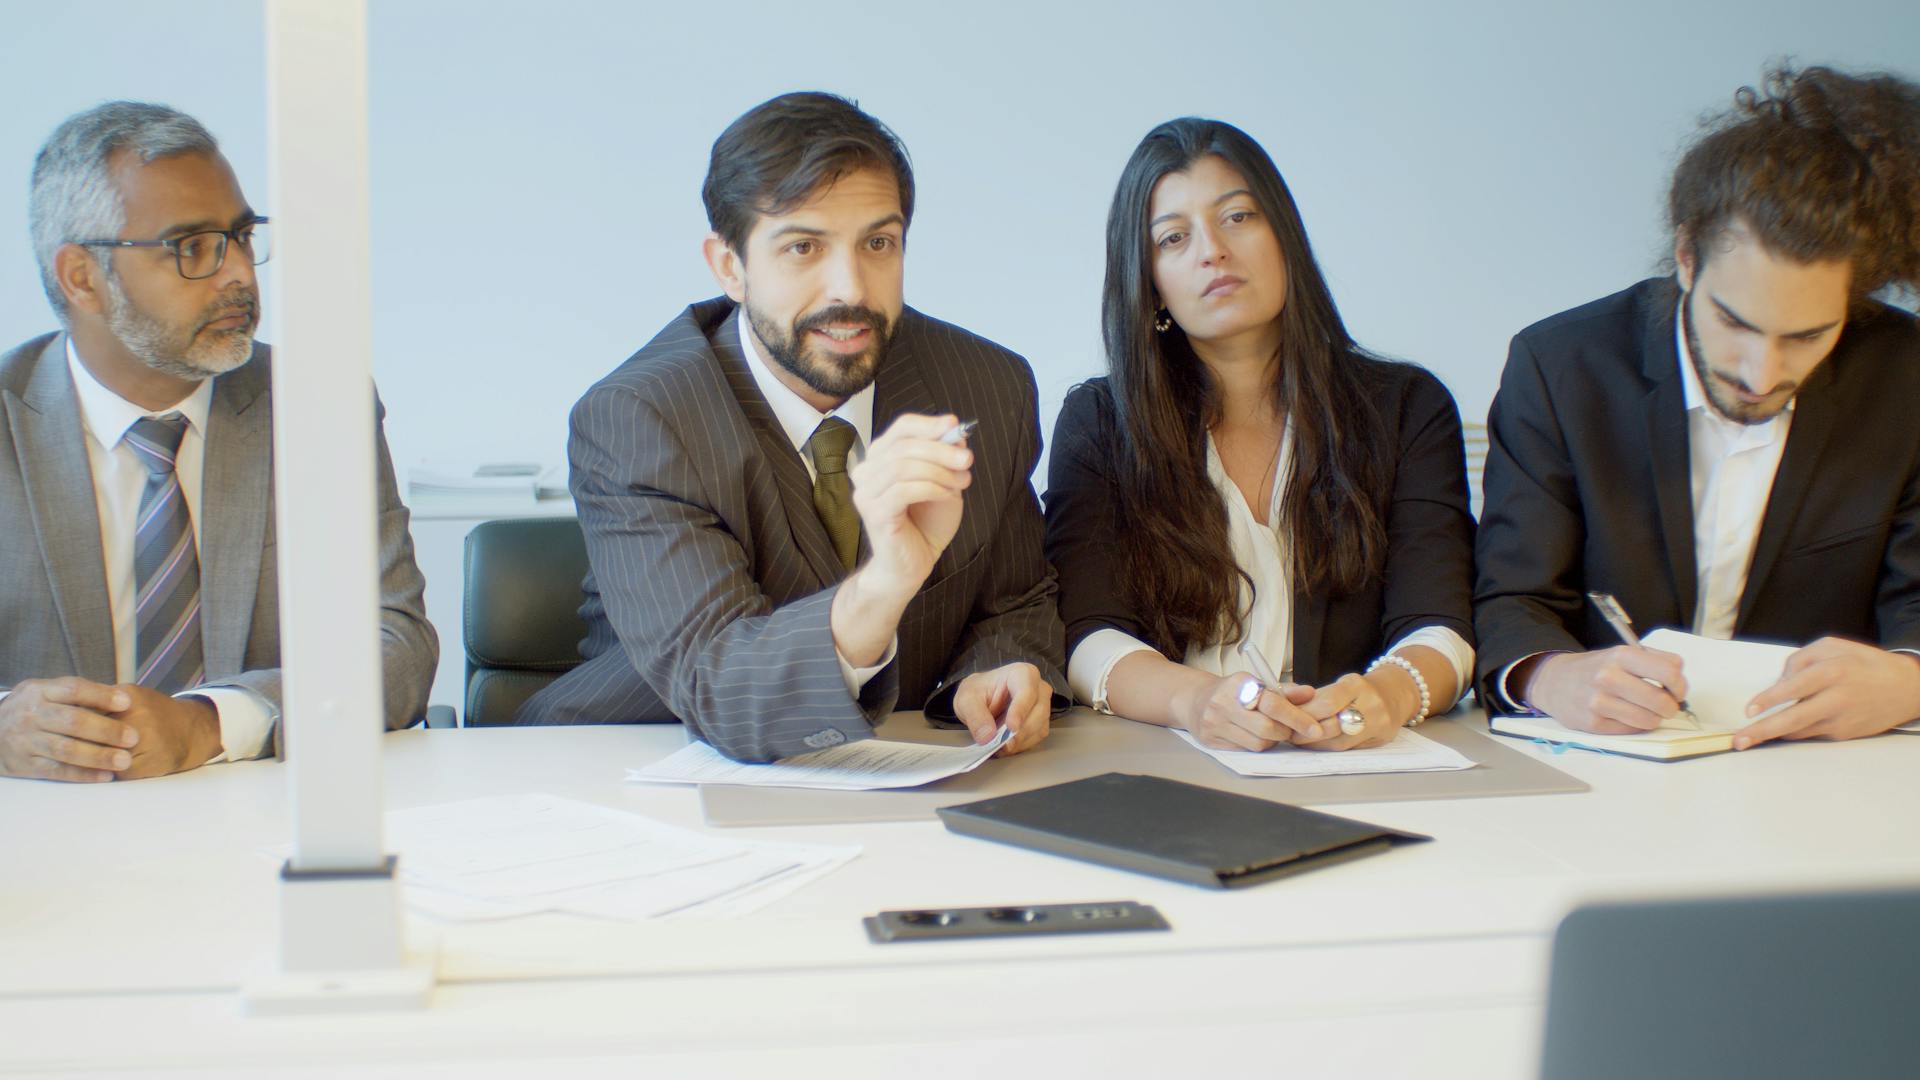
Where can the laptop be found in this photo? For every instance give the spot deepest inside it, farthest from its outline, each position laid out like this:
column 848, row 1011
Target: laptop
column 1755, row 987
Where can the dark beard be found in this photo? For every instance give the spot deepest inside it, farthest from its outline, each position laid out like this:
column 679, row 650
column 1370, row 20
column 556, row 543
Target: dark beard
column 833, row 376
column 1739, row 412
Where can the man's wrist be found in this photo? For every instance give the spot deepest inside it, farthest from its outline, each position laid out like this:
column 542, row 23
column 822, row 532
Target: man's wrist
column 866, row 614
column 203, row 728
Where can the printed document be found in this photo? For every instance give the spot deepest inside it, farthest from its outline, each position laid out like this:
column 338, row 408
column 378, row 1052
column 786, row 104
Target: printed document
column 1409, row 751
column 867, row 765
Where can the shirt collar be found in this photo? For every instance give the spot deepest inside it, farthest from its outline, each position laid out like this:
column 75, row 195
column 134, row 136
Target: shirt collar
column 1695, row 394
column 798, row 418
column 107, row 415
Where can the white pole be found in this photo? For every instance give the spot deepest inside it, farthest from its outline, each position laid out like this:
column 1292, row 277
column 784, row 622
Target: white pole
column 340, row 935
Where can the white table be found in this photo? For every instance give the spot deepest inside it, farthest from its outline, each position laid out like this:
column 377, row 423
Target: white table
column 130, row 913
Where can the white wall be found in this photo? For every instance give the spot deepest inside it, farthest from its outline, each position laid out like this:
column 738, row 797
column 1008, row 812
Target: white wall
column 1464, row 169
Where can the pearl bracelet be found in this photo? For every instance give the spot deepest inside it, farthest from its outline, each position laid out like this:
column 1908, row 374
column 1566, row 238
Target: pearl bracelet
column 1419, row 680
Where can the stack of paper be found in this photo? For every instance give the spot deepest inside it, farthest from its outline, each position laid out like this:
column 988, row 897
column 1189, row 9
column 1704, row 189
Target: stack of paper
column 513, row 855
column 1408, row 752
column 857, row 766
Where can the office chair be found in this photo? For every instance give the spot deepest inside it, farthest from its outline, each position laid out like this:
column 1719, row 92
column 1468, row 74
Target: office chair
column 521, row 599
column 1755, row 987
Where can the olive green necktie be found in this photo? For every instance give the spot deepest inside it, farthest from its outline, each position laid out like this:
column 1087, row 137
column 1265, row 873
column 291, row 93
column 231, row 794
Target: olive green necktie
column 832, row 490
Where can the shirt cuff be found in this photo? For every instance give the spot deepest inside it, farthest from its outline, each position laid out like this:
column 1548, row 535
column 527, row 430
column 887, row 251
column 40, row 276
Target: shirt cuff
column 858, row 677
column 1510, row 701
column 1459, row 656
column 246, row 720
column 1093, row 660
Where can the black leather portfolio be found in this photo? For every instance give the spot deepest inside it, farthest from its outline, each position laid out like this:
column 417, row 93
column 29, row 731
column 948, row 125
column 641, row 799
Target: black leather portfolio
column 1172, row 830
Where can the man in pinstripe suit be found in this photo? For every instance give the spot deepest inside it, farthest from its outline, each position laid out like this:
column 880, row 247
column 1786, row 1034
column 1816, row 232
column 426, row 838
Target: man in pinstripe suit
column 764, row 567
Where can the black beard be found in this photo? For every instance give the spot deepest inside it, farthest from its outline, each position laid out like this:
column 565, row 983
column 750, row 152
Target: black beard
column 833, row 376
column 1737, row 411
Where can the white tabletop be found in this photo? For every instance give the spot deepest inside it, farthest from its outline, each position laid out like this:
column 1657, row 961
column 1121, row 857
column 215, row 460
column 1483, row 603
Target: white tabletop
column 130, row 913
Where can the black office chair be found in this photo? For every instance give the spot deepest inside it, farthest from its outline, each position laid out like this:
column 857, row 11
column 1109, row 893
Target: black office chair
column 522, row 626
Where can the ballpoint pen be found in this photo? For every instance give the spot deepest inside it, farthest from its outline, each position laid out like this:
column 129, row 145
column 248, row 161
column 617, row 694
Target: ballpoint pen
column 959, row 431
column 1616, row 617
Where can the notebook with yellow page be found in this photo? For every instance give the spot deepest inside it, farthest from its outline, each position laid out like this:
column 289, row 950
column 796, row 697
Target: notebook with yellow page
column 1722, row 676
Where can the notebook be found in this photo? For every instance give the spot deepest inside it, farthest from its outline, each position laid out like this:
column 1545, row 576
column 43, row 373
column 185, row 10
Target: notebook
column 1188, row 833
column 1722, row 676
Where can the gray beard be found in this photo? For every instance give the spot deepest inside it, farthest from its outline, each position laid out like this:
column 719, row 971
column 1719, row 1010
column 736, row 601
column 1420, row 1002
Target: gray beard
column 170, row 351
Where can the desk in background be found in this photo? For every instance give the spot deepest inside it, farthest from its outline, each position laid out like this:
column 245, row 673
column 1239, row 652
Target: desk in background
column 130, row 912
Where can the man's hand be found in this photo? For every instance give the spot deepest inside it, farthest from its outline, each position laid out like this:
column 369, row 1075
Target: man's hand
column 1607, row 691
column 1211, row 712
column 58, row 729
column 176, row 734
column 908, row 492
column 1840, row 689
column 1015, row 695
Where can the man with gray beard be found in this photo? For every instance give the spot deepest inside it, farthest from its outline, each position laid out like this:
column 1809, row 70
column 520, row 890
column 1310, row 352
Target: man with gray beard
column 139, row 608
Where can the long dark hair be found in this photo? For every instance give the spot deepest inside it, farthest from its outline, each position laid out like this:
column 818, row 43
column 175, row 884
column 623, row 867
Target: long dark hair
column 1820, row 165
column 1181, row 576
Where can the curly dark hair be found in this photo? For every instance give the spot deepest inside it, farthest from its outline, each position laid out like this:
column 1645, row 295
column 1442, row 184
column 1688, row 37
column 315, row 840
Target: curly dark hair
column 1820, row 165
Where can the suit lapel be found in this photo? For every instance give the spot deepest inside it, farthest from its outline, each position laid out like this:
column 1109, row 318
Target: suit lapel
column 790, row 473
column 235, row 501
column 50, row 444
column 1814, row 415
column 1668, row 448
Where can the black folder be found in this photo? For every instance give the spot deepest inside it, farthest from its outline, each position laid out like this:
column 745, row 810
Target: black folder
column 1172, row 830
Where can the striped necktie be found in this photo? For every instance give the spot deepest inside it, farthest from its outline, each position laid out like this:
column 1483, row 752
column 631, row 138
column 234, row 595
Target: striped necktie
column 166, row 564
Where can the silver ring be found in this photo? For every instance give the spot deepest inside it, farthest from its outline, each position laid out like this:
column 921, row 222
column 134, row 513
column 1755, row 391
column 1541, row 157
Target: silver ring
column 1250, row 693
column 1352, row 721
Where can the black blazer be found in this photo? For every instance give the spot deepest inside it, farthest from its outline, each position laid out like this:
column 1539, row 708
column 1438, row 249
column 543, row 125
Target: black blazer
column 712, row 576
column 1588, row 486
column 1428, row 574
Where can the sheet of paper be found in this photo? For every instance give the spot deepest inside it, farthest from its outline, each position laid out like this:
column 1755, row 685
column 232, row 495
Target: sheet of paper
column 867, row 765
column 514, row 855
column 1722, row 676
column 1409, row 751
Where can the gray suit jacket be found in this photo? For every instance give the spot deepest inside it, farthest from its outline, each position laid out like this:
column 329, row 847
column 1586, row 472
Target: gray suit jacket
column 54, row 614
column 712, row 576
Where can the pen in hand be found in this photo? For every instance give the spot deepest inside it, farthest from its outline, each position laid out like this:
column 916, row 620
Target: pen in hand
column 959, row 431
column 1616, row 617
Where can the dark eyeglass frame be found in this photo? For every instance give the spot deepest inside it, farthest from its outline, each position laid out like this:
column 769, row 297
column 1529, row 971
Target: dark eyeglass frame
column 173, row 245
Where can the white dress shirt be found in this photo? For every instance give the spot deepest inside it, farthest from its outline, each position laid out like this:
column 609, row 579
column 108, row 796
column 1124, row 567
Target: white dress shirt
column 1261, row 550
column 1732, row 466
column 799, row 420
column 119, row 479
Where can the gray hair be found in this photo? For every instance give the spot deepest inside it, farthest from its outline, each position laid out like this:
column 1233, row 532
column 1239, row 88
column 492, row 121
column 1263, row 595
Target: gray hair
column 73, row 196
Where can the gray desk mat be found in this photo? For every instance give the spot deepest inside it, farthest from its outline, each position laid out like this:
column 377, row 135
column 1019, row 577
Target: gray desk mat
column 1085, row 743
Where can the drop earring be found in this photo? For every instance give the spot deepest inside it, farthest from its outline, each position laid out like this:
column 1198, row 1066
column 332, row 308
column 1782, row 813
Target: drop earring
column 1163, row 321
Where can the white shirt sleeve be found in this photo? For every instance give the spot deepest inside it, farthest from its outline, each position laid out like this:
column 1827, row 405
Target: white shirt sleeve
column 858, row 677
column 1093, row 660
column 246, row 720
column 1459, row 656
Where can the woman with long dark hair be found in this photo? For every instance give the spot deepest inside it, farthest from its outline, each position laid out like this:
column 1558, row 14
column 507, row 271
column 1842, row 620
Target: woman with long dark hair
column 1246, row 473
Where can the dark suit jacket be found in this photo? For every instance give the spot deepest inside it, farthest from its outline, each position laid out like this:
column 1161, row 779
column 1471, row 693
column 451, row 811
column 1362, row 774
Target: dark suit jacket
column 1428, row 573
column 54, row 615
column 712, row 576
column 1588, row 487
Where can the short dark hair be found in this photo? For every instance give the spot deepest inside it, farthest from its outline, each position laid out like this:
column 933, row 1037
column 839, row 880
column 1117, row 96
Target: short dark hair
column 1819, row 165
column 782, row 151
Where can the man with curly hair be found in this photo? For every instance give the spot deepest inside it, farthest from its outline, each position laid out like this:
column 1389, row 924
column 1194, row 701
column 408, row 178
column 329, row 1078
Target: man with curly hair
column 1730, row 450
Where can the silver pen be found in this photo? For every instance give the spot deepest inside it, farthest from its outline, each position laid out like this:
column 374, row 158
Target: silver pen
column 959, row 431
column 1616, row 617
column 1261, row 669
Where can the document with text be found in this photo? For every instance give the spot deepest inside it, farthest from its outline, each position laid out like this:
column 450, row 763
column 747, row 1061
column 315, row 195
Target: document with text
column 1409, row 751
column 867, row 765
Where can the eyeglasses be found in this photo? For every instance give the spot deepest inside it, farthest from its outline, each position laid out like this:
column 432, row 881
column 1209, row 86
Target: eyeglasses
column 202, row 254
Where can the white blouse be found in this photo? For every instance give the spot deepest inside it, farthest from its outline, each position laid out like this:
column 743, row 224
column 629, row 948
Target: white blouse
column 1261, row 550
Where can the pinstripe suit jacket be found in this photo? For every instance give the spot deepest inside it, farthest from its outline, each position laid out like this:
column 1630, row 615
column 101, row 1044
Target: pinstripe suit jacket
column 712, row 577
column 54, row 614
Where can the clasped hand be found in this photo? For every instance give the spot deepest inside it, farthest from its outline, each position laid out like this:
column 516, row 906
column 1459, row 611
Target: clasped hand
column 77, row 730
